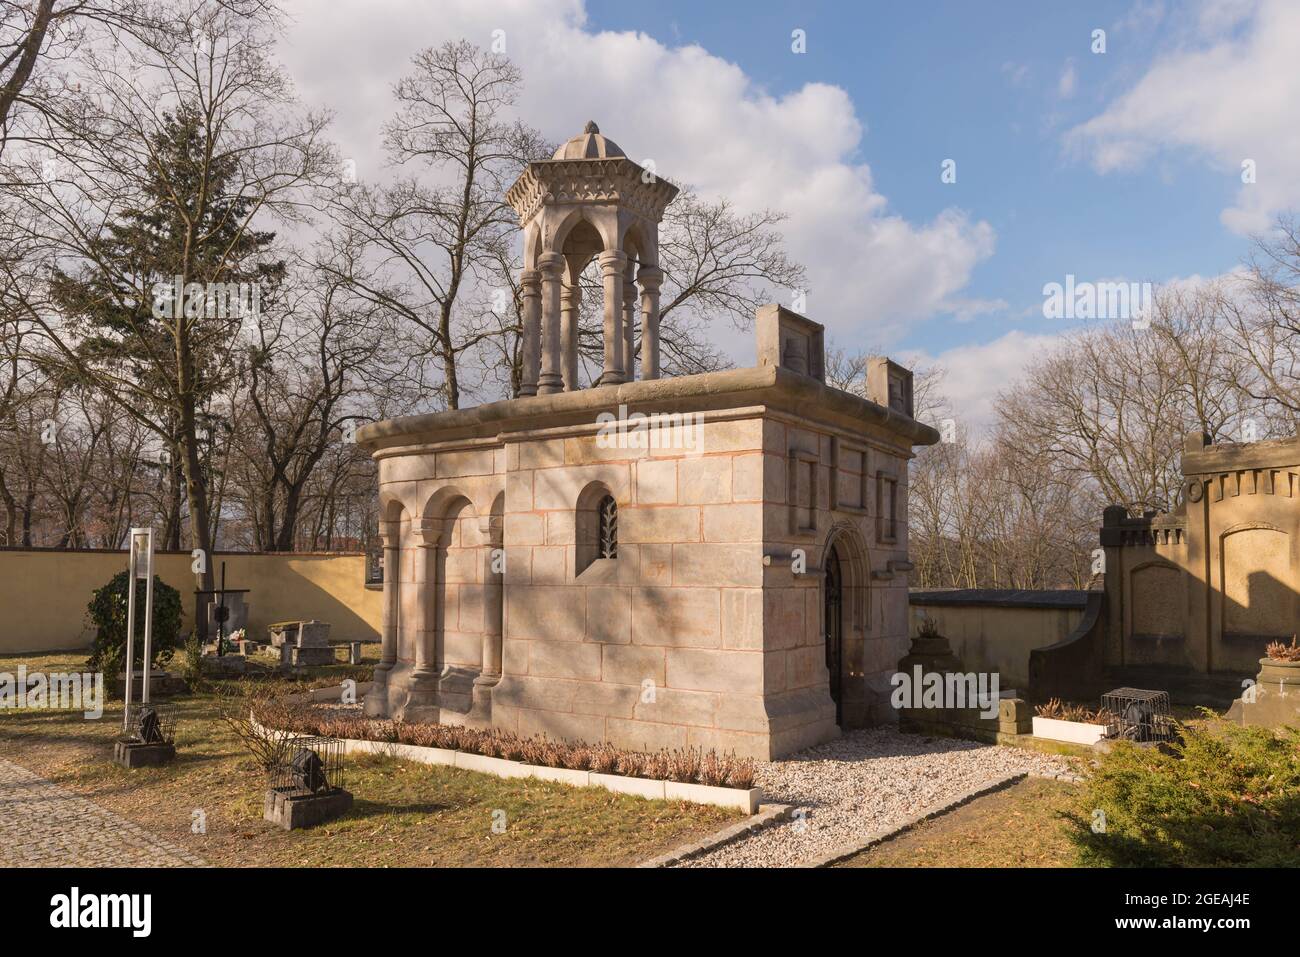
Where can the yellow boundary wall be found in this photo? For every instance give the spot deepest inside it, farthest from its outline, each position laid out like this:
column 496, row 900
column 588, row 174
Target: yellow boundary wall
column 44, row 592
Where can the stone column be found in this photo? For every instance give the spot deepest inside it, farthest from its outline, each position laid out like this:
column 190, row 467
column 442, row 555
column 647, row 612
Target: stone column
column 650, row 278
column 629, row 324
column 422, row 700
column 569, row 335
column 612, row 264
column 531, row 281
column 552, row 268
column 493, row 578
column 376, row 702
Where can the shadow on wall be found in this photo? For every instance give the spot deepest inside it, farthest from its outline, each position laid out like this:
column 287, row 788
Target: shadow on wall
column 44, row 592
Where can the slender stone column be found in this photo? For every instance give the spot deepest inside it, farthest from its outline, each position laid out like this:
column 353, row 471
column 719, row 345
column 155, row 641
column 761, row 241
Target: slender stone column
column 423, row 686
column 552, row 267
column 493, row 577
column 376, row 703
column 612, row 264
column 650, row 278
column 531, row 283
column 569, row 335
column 629, row 324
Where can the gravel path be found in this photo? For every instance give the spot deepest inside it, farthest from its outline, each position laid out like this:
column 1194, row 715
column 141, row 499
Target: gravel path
column 865, row 782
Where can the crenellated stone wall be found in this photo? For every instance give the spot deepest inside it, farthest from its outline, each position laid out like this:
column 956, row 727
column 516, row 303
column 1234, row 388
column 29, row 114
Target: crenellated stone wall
column 1205, row 589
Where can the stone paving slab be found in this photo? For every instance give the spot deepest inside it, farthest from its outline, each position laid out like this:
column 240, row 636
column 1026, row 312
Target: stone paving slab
column 45, row 825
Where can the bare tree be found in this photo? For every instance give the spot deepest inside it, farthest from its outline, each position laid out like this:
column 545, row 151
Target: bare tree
column 433, row 235
column 190, row 139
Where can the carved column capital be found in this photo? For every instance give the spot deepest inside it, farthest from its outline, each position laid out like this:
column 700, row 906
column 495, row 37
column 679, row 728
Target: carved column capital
column 650, row 278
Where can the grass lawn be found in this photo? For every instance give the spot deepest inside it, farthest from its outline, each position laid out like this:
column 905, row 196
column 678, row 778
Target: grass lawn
column 405, row 814
column 1018, row 826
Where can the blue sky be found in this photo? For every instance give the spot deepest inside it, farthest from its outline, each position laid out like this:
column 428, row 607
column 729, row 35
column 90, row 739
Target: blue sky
column 1123, row 165
column 980, row 83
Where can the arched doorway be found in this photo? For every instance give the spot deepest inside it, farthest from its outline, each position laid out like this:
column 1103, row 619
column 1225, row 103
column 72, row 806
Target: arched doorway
column 833, row 616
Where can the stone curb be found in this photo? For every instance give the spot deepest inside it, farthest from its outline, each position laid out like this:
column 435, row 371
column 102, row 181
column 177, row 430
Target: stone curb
column 768, row 814
column 849, row 850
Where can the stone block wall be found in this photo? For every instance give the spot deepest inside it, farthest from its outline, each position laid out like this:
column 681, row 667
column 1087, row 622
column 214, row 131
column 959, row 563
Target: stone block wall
column 706, row 630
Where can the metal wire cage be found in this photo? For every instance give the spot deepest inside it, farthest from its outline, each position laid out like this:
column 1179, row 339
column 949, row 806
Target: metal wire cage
column 1135, row 714
column 150, row 723
column 309, row 766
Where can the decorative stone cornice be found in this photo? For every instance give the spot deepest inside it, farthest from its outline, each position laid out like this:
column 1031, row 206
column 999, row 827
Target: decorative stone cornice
column 589, row 182
column 772, row 387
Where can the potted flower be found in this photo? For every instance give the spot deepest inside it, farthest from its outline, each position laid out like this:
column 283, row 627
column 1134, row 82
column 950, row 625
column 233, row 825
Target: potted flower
column 1281, row 664
column 1073, row 723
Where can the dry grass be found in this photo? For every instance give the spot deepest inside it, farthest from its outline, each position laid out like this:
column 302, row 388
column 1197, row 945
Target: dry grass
column 405, row 814
column 1018, row 826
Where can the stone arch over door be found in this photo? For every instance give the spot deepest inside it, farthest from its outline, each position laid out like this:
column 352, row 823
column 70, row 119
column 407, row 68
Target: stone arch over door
column 453, row 605
column 844, row 565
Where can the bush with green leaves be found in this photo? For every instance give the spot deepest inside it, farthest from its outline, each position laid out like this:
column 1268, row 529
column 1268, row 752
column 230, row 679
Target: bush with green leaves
column 107, row 613
column 1225, row 796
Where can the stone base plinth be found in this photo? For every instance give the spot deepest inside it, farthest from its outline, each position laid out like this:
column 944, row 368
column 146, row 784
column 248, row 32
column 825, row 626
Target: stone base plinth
column 223, row 664
column 313, row 655
column 137, row 754
column 294, row 811
column 161, row 683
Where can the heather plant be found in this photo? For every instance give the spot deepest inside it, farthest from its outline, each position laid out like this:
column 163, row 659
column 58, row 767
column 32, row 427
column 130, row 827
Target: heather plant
column 684, row 766
column 1058, row 710
column 630, row 764
column 604, row 759
column 1280, row 652
column 687, row 765
column 740, row 772
column 578, row 757
column 712, row 770
column 657, row 765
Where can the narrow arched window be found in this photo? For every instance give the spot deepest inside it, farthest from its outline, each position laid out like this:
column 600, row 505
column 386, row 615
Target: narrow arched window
column 607, row 539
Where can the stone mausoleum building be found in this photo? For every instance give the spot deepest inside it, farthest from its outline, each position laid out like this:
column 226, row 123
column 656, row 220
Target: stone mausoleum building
column 714, row 560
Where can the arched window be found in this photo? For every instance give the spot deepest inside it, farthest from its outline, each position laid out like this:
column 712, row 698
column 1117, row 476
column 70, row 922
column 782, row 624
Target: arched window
column 607, row 529
column 596, row 526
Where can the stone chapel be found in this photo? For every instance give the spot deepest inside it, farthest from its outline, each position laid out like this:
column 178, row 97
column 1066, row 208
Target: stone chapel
column 714, row 560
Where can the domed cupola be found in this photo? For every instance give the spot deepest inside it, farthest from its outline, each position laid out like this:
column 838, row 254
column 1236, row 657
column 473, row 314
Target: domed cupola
column 589, row 144
column 589, row 201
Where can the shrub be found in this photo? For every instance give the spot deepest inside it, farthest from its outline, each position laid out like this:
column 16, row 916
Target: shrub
column 106, row 613
column 192, row 667
column 1224, row 796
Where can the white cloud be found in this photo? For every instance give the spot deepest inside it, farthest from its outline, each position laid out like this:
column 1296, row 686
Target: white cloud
column 1228, row 92
column 973, row 375
column 1069, row 80
column 701, row 118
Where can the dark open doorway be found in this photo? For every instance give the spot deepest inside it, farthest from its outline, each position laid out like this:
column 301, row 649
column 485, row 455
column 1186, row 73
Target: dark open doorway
column 833, row 616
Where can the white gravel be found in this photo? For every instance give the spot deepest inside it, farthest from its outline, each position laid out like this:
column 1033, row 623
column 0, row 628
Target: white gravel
column 862, row 783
